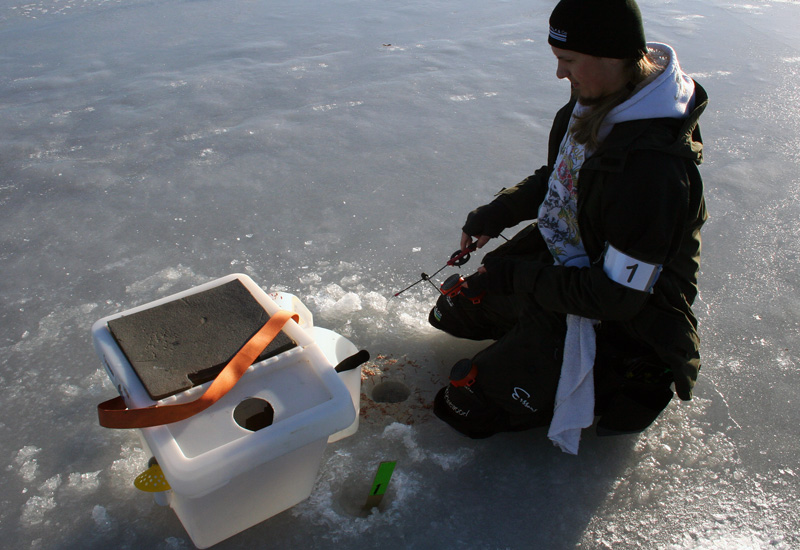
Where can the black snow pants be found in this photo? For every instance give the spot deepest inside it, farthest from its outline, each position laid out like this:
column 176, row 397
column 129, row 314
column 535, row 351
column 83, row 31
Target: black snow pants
column 520, row 370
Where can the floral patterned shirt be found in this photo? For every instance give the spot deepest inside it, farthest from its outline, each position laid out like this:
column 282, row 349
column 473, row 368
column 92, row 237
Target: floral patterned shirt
column 558, row 213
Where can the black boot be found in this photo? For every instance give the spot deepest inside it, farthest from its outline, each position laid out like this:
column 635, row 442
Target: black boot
column 466, row 411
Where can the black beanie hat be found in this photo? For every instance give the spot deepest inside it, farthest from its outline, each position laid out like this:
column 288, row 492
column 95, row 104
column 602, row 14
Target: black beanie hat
column 602, row 28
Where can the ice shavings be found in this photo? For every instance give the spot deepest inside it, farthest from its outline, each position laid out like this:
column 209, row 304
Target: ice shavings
column 36, row 507
column 732, row 541
column 55, row 326
column 336, row 302
column 84, row 483
column 169, row 279
column 711, row 75
column 69, row 390
column 375, row 301
column 43, row 498
column 701, row 480
column 35, row 10
column 27, row 465
column 411, row 386
column 97, row 383
column 418, row 453
column 332, row 298
column 361, row 301
column 339, row 496
column 93, row 385
column 471, row 97
column 336, row 106
column 132, row 462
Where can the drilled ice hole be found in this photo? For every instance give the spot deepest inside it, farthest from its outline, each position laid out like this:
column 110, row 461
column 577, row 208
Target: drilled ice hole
column 254, row 414
column 352, row 498
column 390, row 391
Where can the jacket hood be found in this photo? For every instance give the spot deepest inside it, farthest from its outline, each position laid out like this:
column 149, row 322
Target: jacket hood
column 673, row 99
column 668, row 94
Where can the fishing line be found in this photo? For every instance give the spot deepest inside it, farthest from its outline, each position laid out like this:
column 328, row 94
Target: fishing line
column 457, row 259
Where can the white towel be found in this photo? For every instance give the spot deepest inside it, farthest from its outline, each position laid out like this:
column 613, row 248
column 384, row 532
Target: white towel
column 574, row 409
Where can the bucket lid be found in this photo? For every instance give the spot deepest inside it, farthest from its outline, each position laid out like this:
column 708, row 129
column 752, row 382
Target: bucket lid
column 188, row 341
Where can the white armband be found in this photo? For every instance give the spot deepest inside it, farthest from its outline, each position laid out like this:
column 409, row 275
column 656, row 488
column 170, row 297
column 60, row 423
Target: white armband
column 630, row 272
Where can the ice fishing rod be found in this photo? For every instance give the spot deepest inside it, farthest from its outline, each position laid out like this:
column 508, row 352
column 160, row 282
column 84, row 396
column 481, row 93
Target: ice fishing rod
column 454, row 284
column 457, row 259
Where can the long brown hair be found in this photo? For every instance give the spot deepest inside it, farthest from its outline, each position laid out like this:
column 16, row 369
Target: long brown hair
column 587, row 126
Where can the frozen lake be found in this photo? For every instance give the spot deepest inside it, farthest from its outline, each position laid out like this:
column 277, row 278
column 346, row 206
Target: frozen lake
column 333, row 150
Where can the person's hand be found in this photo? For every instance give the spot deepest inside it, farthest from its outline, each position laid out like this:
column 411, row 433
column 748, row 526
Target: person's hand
column 481, row 271
column 484, row 223
column 496, row 276
column 467, row 242
column 683, row 384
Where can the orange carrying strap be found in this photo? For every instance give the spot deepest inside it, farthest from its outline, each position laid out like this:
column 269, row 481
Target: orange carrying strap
column 114, row 413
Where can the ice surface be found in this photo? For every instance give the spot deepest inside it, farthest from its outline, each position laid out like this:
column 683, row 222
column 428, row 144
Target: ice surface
column 332, row 150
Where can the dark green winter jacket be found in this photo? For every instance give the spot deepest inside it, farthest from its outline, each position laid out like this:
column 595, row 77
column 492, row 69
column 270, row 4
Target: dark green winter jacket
column 642, row 193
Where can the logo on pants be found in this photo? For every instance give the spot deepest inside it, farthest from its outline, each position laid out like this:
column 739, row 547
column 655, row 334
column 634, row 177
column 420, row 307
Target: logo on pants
column 522, row 396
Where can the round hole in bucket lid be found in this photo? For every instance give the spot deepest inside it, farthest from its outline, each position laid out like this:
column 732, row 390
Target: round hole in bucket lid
column 254, row 414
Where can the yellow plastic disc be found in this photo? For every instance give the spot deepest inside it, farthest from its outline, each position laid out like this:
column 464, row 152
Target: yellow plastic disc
column 151, row 480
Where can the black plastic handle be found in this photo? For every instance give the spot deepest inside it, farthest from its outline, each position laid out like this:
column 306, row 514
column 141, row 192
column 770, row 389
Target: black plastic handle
column 355, row 360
